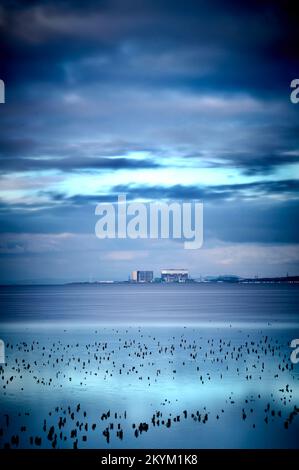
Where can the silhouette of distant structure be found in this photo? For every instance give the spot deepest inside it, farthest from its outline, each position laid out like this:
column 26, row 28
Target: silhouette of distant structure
column 142, row 276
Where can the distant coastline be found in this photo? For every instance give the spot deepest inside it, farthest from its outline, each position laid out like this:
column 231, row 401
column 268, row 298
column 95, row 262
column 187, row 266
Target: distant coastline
column 208, row 280
column 224, row 279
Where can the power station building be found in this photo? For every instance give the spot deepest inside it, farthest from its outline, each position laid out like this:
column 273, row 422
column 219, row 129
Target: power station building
column 142, row 276
column 174, row 275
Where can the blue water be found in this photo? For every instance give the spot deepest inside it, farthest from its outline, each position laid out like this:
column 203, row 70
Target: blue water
column 203, row 366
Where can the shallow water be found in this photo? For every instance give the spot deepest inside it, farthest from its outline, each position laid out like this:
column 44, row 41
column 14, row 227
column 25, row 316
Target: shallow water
column 181, row 304
column 207, row 367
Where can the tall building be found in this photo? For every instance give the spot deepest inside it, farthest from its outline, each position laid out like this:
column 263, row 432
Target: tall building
column 174, row 275
column 142, row 276
column 145, row 276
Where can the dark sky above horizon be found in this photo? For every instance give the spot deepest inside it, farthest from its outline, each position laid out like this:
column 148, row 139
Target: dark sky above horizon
column 161, row 100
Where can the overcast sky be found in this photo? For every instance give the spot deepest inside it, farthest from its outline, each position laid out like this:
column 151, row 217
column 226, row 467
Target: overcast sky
column 161, row 100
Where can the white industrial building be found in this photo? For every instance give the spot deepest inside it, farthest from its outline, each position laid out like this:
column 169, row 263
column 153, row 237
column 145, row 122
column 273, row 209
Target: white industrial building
column 174, row 275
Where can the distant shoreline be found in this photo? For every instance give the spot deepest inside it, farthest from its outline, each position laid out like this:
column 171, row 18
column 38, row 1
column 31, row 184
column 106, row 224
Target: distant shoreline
column 214, row 280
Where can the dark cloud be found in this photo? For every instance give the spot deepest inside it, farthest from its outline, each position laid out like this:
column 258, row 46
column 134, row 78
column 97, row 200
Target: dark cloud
column 217, row 192
column 252, row 164
column 42, row 37
column 69, row 164
column 23, row 155
column 239, row 221
column 53, row 48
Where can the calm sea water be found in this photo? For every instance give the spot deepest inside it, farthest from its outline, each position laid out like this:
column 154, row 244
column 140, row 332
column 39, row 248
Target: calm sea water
column 129, row 304
column 177, row 366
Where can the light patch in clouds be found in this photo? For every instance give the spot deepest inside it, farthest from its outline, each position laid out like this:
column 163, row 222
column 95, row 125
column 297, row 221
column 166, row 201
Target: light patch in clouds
column 248, row 254
column 12, row 244
column 28, row 182
column 118, row 255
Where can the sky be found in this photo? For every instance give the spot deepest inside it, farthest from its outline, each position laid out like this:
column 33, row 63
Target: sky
column 159, row 100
